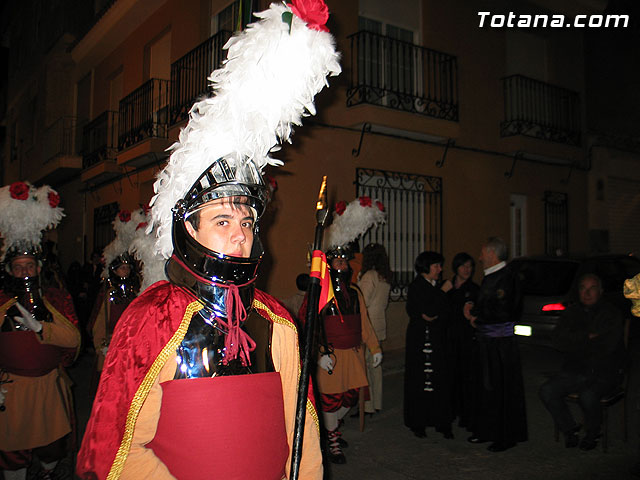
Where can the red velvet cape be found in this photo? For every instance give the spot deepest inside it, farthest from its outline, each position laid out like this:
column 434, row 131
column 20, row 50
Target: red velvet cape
column 140, row 335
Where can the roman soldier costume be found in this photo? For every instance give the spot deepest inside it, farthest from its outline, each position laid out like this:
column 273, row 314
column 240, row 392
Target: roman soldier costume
column 347, row 327
column 38, row 337
column 118, row 290
column 201, row 376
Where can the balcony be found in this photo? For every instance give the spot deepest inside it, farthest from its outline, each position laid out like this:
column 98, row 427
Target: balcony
column 99, row 148
column 59, row 152
column 144, row 113
column 403, row 76
column 189, row 75
column 100, row 139
column 540, row 110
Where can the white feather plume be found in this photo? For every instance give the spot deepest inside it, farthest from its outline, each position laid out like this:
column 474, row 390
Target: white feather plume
column 267, row 84
column 22, row 222
column 143, row 249
column 353, row 222
column 125, row 232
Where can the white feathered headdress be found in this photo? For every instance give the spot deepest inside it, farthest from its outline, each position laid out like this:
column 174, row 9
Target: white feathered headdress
column 25, row 213
column 267, row 84
column 125, row 225
column 352, row 220
column 143, row 249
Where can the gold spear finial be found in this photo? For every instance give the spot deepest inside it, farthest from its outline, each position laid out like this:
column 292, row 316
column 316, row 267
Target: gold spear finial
column 321, row 204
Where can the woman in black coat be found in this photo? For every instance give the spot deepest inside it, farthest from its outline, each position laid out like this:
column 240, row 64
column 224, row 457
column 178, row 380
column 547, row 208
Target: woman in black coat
column 427, row 380
column 461, row 290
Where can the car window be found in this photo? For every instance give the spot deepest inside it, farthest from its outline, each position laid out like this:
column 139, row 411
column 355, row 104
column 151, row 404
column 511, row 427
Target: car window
column 609, row 270
column 543, row 277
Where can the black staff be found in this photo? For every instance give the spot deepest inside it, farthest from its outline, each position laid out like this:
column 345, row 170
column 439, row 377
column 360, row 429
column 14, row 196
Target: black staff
column 313, row 298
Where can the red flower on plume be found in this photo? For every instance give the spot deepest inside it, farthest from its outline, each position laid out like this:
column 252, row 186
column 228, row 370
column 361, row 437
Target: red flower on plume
column 19, row 190
column 124, row 215
column 380, row 206
column 314, row 12
column 54, row 199
column 141, row 225
column 273, row 185
column 341, row 206
column 365, row 201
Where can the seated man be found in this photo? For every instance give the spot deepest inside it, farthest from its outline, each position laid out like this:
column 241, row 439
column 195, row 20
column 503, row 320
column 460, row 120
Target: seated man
column 590, row 334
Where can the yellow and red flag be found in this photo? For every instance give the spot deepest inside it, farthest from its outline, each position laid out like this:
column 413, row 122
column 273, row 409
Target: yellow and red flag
column 320, row 270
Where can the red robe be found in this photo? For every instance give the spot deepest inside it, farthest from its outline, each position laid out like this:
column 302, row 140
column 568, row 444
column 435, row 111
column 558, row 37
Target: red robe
column 144, row 339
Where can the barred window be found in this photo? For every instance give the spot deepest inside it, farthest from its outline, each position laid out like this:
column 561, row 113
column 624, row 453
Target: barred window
column 414, row 219
column 556, row 223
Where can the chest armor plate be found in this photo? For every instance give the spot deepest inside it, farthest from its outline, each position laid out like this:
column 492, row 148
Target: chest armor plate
column 201, row 352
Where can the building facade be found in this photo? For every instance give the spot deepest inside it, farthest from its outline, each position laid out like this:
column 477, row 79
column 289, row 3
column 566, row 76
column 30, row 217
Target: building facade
column 462, row 131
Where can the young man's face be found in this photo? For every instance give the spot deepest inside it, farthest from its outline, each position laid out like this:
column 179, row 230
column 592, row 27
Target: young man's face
column 225, row 228
column 24, row 267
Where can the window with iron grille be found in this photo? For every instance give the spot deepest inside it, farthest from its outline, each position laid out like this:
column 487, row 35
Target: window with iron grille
column 414, row 219
column 103, row 231
column 556, row 223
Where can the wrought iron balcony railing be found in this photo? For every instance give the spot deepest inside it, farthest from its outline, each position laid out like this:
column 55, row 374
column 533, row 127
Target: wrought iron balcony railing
column 400, row 75
column 100, row 139
column 60, row 139
column 144, row 113
column 540, row 110
column 189, row 74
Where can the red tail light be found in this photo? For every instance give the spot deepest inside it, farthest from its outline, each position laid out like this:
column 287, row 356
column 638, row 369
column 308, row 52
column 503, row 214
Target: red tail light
column 553, row 307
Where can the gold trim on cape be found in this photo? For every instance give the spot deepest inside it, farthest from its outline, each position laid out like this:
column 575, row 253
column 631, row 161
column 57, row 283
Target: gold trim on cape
column 65, row 320
column 145, row 387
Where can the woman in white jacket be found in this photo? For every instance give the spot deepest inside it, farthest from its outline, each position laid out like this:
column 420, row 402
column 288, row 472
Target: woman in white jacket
column 375, row 283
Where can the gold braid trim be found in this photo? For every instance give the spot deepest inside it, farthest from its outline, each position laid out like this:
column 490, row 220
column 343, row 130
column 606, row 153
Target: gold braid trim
column 6, row 306
column 274, row 317
column 145, row 387
column 283, row 321
column 312, row 411
column 61, row 318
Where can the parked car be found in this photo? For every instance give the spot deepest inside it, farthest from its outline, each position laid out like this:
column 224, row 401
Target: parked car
column 549, row 285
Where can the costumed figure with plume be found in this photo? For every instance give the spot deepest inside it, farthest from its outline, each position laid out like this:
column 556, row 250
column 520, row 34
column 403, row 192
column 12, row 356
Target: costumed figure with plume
column 342, row 370
column 38, row 338
column 201, row 376
column 120, row 283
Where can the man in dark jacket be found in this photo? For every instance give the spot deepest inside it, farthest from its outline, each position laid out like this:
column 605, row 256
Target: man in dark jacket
column 499, row 413
column 590, row 334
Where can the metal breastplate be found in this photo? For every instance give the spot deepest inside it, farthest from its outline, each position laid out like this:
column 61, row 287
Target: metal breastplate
column 201, row 352
column 120, row 293
column 348, row 302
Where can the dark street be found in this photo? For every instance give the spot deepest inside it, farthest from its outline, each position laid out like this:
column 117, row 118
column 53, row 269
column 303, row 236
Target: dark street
column 387, row 450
